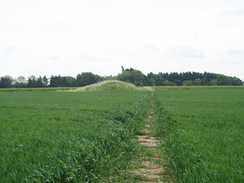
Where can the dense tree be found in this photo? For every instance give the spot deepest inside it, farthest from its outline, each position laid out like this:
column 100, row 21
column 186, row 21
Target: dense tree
column 87, row 78
column 128, row 75
column 212, row 82
column 197, row 81
column 155, row 79
column 209, row 76
column 178, row 82
column 187, row 83
column 34, row 82
column 133, row 76
column 58, row 81
column 45, row 81
column 70, row 81
column 236, row 81
column 6, row 82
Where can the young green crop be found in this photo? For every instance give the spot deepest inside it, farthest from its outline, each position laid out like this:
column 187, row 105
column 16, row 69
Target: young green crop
column 67, row 137
column 86, row 136
column 204, row 132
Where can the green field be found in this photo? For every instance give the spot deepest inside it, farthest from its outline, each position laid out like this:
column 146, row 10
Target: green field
column 49, row 136
column 204, row 131
column 66, row 136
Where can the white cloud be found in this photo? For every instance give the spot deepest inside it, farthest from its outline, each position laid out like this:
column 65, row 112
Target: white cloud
column 236, row 12
column 9, row 50
column 89, row 58
column 235, row 52
column 68, row 37
column 55, row 58
column 152, row 49
column 187, row 52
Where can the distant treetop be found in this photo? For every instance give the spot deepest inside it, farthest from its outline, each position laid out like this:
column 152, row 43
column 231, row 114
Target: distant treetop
column 129, row 75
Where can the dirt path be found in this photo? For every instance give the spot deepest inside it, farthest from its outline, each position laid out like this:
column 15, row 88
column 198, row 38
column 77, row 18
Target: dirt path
column 147, row 167
column 150, row 168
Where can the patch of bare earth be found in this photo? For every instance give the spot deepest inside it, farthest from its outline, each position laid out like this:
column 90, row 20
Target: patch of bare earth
column 150, row 168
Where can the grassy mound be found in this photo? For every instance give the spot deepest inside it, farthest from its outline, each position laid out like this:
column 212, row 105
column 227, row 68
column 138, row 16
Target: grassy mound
column 112, row 85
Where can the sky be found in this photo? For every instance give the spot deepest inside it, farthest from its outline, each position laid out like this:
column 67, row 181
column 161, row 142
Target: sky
column 68, row 37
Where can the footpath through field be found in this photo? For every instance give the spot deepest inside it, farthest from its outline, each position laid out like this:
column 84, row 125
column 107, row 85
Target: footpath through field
column 151, row 169
column 148, row 165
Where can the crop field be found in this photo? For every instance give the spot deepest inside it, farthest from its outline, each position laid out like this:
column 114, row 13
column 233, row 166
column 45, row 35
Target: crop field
column 54, row 136
column 204, row 131
column 67, row 136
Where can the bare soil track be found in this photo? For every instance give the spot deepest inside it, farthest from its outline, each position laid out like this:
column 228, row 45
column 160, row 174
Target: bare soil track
column 150, row 168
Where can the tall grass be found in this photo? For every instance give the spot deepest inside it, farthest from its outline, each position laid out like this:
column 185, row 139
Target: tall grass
column 203, row 132
column 67, row 137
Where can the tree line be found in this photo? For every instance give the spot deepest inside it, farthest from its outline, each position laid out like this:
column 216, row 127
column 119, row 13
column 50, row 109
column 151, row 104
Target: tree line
column 128, row 75
column 82, row 79
column 176, row 79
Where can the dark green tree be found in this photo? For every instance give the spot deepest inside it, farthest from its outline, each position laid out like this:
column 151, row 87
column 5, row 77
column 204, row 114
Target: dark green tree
column 6, row 82
column 87, row 78
column 70, row 81
column 45, row 81
column 132, row 76
column 58, row 81
column 39, row 83
column 34, row 82
column 155, row 79
column 236, row 81
column 223, row 80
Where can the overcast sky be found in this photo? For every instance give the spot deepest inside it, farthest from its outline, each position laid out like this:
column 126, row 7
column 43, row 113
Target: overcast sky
column 67, row 37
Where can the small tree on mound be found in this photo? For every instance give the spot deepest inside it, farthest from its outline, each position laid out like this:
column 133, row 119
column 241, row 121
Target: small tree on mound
column 133, row 76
